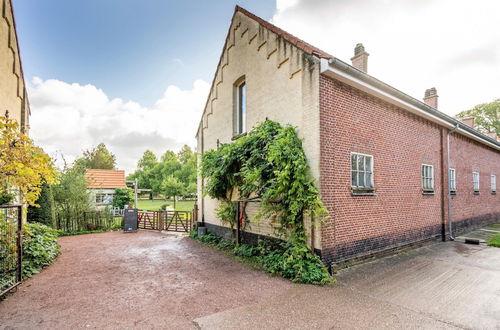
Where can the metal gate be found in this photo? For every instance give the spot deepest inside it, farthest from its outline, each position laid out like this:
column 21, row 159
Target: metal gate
column 181, row 221
column 11, row 247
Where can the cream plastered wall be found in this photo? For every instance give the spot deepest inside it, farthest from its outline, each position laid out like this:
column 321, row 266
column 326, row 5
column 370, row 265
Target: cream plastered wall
column 12, row 88
column 282, row 84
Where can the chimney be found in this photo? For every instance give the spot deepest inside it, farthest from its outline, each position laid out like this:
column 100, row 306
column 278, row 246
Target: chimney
column 360, row 58
column 469, row 121
column 431, row 97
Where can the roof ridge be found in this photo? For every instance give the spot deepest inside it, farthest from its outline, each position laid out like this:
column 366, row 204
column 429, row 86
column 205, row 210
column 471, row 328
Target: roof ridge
column 299, row 43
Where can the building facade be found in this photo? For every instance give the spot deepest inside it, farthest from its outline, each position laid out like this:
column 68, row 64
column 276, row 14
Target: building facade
column 101, row 185
column 380, row 157
column 13, row 98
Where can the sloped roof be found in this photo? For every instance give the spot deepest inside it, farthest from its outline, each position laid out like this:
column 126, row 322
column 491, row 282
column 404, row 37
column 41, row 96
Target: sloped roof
column 101, row 179
column 301, row 44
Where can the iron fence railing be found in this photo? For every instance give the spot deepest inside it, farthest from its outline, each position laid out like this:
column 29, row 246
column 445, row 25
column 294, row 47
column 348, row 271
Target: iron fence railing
column 11, row 247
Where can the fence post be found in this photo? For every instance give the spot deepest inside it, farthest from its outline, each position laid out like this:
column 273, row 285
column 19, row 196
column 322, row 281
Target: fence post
column 19, row 270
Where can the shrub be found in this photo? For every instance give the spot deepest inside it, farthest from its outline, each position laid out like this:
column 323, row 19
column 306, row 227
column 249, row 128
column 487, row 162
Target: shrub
column 495, row 241
column 45, row 211
column 40, row 247
column 122, row 197
column 291, row 261
column 244, row 250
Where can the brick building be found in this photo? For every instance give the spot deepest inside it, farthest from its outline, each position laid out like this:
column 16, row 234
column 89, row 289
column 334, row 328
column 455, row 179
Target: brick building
column 381, row 158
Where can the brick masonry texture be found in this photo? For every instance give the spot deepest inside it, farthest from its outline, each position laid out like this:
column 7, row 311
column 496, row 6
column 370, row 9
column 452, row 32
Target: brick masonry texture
column 398, row 213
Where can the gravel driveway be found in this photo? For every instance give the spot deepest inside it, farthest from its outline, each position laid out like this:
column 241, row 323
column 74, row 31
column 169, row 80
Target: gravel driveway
column 150, row 280
column 143, row 280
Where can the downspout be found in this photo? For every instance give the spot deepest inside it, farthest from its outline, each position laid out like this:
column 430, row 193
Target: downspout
column 449, row 191
column 202, row 178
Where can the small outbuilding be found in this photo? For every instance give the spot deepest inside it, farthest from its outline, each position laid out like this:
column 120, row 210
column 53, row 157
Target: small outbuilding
column 102, row 184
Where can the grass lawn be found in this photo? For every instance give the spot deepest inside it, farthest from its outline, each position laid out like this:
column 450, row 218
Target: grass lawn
column 155, row 204
column 495, row 241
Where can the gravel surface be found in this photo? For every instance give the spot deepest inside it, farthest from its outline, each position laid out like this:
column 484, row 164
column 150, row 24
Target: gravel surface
column 143, row 280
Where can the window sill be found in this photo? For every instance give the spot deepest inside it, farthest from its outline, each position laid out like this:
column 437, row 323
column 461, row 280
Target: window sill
column 362, row 192
column 476, row 193
column 427, row 192
column 237, row 136
column 493, row 192
column 453, row 192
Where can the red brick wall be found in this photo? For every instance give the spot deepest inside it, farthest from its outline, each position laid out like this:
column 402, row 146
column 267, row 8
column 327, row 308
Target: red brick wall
column 468, row 156
column 398, row 213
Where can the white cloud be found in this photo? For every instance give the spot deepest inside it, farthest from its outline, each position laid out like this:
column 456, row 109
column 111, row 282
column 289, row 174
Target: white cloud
column 68, row 118
column 413, row 45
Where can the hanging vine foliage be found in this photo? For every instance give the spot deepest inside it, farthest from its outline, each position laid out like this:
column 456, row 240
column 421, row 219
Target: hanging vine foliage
column 269, row 163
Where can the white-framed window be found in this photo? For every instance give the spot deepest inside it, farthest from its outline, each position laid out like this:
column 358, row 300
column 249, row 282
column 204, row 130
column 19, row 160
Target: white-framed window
column 453, row 180
column 103, row 198
column 361, row 172
column 493, row 183
column 427, row 177
column 475, row 181
column 241, row 107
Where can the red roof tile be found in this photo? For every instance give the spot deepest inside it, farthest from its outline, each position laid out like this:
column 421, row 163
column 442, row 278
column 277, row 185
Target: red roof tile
column 101, row 179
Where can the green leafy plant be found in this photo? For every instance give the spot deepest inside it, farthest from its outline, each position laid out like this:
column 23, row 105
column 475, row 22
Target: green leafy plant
column 495, row 241
column 40, row 247
column 291, row 261
column 270, row 163
column 122, row 197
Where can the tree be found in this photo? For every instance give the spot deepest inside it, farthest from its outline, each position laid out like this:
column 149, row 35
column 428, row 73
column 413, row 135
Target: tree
column 97, row 158
column 70, row 195
column 172, row 187
column 23, row 166
column 186, row 155
column 147, row 161
column 45, row 213
column 486, row 116
column 122, row 197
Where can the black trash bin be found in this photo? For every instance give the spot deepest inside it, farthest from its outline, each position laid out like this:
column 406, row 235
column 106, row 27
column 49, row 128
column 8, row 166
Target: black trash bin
column 130, row 220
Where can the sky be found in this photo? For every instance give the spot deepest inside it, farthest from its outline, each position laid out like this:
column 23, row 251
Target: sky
column 136, row 75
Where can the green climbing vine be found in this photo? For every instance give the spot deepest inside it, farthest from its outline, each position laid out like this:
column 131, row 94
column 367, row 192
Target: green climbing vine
column 268, row 163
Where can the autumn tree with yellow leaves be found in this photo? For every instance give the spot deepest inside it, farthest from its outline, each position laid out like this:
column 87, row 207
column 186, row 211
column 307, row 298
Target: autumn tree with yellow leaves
column 23, row 166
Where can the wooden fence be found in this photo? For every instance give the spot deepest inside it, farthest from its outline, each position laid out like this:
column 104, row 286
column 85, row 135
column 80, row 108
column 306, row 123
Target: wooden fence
column 83, row 220
column 166, row 220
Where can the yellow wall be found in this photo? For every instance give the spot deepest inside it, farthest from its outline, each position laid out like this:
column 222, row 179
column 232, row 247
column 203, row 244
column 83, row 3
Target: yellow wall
column 282, row 84
column 12, row 88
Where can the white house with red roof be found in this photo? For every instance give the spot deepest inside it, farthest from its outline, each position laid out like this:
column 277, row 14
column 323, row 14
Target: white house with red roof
column 101, row 184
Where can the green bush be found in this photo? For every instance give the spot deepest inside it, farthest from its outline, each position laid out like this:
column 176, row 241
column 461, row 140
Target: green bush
column 40, row 247
column 244, row 250
column 495, row 241
column 291, row 261
column 45, row 211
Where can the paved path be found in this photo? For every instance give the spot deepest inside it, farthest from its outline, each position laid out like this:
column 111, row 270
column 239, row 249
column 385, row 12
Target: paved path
column 150, row 280
column 442, row 286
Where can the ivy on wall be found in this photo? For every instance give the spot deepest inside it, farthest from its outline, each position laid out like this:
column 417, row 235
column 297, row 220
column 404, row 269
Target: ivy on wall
column 269, row 163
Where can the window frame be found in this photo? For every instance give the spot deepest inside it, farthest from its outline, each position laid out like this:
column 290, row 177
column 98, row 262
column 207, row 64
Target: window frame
column 474, row 173
column 366, row 189
column 452, row 180
column 424, row 179
column 241, row 106
column 493, row 184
